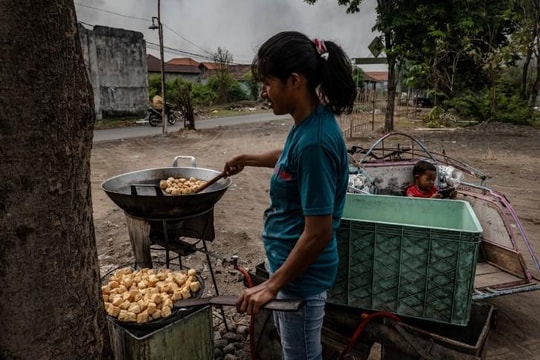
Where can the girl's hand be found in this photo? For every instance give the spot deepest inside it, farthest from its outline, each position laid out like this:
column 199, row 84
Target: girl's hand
column 233, row 166
column 253, row 299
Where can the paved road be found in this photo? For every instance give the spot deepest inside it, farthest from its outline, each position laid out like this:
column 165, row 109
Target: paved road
column 147, row 130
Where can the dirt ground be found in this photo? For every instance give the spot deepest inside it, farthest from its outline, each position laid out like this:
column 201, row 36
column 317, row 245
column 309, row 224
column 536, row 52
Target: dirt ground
column 510, row 155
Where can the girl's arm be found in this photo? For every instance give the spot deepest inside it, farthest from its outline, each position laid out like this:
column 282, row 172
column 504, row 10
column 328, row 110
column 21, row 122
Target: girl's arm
column 237, row 163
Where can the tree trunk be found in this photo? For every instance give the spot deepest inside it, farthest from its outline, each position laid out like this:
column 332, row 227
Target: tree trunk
column 389, row 116
column 525, row 73
column 51, row 304
column 535, row 89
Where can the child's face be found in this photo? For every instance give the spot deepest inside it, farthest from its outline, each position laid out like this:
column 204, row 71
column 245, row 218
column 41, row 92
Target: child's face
column 426, row 180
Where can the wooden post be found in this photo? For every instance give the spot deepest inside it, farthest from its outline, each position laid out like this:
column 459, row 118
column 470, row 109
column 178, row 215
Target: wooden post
column 139, row 236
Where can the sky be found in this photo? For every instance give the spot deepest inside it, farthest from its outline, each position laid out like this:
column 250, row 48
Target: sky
column 199, row 27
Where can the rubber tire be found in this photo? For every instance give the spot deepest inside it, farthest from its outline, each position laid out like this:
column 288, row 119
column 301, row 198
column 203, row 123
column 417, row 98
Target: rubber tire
column 154, row 120
column 171, row 119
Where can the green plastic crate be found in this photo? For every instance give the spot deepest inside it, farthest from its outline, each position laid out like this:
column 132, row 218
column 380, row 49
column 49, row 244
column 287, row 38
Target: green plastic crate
column 414, row 257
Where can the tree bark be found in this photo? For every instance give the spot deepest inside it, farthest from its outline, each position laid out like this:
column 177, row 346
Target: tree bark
column 51, row 303
column 389, row 116
column 535, row 89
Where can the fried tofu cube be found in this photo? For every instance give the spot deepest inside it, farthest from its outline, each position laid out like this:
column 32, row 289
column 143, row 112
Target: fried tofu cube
column 122, row 315
column 151, row 308
column 177, row 295
column 142, row 318
column 156, row 298
column 167, row 302
column 125, row 305
column 180, row 279
column 106, row 289
column 166, row 311
column 116, row 300
column 131, row 317
column 186, row 294
column 134, row 308
column 113, row 310
column 194, row 286
column 156, row 315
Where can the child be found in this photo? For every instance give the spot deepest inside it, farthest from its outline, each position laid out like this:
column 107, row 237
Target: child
column 312, row 81
column 425, row 174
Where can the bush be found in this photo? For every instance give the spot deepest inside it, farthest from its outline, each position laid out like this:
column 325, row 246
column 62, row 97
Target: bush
column 510, row 109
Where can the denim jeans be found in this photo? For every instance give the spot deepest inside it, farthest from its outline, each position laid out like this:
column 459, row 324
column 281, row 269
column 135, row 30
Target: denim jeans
column 300, row 331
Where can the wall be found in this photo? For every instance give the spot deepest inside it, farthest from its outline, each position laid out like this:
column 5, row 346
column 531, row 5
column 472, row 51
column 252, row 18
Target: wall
column 116, row 63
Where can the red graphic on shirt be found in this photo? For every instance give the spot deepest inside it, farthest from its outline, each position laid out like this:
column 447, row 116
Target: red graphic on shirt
column 285, row 176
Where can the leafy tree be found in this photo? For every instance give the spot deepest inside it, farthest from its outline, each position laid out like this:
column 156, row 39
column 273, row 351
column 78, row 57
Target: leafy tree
column 359, row 76
column 527, row 38
column 233, row 91
column 203, row 95
column 253, row 85
column 449, row 46
column 51, row 303
column 180, row 95
column 223, row 58
column 154, row 85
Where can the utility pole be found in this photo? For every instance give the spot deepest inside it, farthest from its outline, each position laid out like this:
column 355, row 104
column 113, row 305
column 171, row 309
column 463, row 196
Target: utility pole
column 163, row 110
column 162, row 61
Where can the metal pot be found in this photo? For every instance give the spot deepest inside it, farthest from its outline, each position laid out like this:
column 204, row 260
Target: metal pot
column 138, row 193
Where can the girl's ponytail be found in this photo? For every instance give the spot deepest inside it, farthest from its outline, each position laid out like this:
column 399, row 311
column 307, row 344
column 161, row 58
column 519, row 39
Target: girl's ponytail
column 337, row 85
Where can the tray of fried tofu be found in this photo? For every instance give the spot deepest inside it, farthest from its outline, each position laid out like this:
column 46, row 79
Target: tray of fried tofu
column 142, row 296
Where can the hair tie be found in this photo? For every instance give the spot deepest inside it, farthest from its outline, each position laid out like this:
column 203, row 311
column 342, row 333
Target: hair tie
column 321, row 49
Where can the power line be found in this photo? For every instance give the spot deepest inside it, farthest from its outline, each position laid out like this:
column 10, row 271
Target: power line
column 178, row 51
column 111, row 12
column 146, row 20
column 180, row 36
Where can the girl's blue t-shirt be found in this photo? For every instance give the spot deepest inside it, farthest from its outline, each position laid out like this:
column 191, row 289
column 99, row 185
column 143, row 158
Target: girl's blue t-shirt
column 310, row 178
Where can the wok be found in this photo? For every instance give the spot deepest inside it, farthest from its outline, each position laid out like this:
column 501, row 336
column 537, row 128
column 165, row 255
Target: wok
column 138, row 192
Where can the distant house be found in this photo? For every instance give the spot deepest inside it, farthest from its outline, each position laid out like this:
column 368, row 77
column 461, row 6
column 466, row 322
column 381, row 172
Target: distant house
column 173, row 71
column 381, row 78
column 237, row 71
column 183, row 61
column 370, row 83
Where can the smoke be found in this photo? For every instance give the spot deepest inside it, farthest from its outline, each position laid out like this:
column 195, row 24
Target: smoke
column 238, row 26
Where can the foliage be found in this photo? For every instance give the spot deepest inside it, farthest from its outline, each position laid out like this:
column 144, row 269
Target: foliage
column 223, row 58
column 233, row 90
column 180, row 97
column 478, row 107
column 358, row 77
column 461, row 50
column 253, row 86
column 154, row 85
column 203, row 95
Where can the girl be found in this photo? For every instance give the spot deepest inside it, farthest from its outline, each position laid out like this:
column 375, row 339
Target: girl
column 312, row 81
